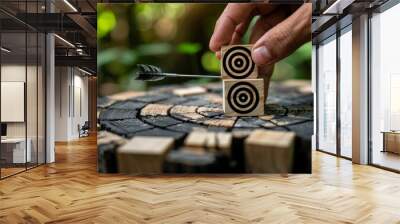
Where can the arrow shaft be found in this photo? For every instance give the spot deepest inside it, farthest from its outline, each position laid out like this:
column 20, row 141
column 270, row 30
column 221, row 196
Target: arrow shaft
column 189, row 76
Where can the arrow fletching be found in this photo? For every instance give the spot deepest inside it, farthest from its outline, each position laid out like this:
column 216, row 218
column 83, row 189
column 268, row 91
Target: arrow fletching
column 149, row 73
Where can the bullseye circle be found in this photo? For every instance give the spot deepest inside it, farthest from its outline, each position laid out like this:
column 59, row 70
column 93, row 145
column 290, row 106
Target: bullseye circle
column 237, row 62
column 243, row 97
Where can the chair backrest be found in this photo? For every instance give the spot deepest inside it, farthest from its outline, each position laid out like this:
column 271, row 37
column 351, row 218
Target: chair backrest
column 86, row 125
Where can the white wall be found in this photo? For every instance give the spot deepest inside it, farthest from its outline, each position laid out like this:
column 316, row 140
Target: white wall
column 70, row 84
column 13, row 73
column 33, row 126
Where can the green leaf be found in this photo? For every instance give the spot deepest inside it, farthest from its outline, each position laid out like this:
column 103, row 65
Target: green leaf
column 188, row 48
column 106, row 22
column 210, row 62
column 107, row 56
column 154, row 49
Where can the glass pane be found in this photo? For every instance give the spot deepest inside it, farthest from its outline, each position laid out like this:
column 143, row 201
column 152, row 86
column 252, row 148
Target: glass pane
column 385, row 92
column 346, row 94
column 14, row 152
column 31, row 97
column 327, row 96
column 41, row 99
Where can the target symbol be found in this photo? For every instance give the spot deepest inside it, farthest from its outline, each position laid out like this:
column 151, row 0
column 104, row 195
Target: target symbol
column 237, row 62
column 243, row 97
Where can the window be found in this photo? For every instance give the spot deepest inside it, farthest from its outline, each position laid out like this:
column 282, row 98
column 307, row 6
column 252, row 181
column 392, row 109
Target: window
column 22, row 101
column 346, row 92
column 385, row 88
column 327, row 95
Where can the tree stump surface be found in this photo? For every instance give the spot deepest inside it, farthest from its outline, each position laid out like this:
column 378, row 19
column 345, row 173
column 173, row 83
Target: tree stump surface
column 159, row 112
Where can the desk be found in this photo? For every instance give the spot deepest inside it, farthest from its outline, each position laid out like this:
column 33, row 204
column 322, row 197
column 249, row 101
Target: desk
column 16, row 147
column 391, row 141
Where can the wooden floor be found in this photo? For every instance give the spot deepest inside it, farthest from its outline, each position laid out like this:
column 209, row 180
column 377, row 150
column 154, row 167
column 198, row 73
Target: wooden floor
column 71, row 191
column 387, row 159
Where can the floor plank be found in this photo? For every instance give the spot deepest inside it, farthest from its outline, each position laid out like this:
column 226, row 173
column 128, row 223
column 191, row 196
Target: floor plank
column 71, row 191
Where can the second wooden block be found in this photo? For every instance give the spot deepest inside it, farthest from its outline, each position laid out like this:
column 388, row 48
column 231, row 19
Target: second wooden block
column 243, row 97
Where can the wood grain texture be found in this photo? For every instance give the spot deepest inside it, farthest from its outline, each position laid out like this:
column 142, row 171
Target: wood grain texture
column 194, row 90
column 144, row 155
column 71, row 191
column 155, row 110
column 151, row 115
column 216, row 141
column 269, row 151
column 236, row 62
column 243, row 97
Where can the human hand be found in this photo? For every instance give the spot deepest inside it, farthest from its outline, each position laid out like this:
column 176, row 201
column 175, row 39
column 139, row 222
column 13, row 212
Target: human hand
column 278, row 32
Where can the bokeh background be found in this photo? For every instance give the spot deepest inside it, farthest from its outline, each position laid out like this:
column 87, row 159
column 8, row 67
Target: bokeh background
column 173, row 36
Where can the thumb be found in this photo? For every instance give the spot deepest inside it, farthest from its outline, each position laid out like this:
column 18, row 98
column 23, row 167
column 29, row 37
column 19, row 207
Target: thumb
column 284, row 38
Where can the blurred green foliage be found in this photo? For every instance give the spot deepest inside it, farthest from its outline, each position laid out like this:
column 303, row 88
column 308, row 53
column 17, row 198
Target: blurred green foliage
column 173, row 36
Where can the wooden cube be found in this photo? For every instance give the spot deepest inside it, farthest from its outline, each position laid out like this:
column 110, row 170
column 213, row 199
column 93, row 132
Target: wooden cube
column 209, row 141
column 243, row 97
column 188, row 91
column 269, row 151
column 236, row 62
column 144, row 155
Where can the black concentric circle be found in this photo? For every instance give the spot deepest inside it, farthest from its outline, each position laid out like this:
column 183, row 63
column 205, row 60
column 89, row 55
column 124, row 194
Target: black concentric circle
column 237, row 62
column 243, row 97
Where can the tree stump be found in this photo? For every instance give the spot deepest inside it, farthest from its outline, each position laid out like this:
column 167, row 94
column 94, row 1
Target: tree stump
column 177, row 111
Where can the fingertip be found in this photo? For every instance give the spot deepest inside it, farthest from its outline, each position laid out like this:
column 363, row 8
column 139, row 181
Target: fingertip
column 212, row 44
column 261, row 56
column 218, row 54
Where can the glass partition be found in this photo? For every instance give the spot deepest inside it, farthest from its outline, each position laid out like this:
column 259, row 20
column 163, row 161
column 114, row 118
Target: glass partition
column 14, row 149
column 41, row 96
column 346, row 92
column 22, row 77
column 327, row 95
column 32, row 97
column 385, row 89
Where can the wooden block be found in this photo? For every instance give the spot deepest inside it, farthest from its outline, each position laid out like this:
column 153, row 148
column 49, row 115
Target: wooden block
column 186, row 113
column 226, row 122
column 236, row 62
column 214, row 98
column 210, row 111
column 105, row 137
column 155, row 110
column 189, row 91
column 126, row 95
column 243, row 97
column 215, row 141
column 269, row 151
column 144, row 154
